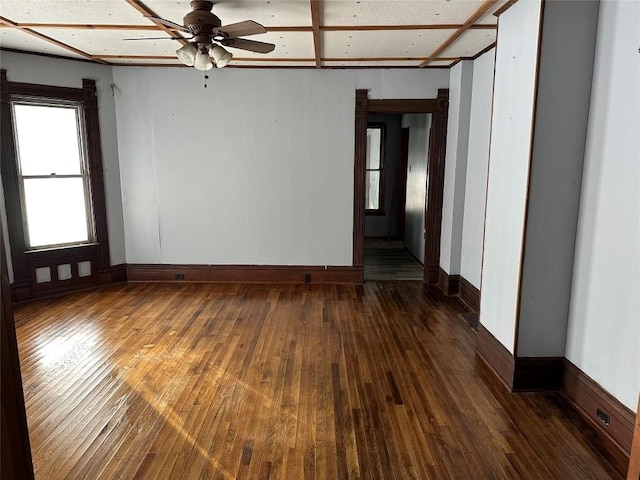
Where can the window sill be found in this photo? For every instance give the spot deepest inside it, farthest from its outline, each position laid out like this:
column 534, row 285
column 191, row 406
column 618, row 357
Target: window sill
column 60, row 251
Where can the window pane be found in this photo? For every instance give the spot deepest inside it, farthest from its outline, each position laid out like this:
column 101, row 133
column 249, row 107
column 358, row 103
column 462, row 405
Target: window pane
column 374, row 137
column 372, row 189
column 47, row 139
column 56, row 211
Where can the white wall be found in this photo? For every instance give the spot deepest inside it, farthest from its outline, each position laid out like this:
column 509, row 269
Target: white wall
column 562, row 111
column 256, row 169
column 455, row 166
column 68, row 73
column 419, row 128
column 475, row 193
column 604, row 318
column 516, row 61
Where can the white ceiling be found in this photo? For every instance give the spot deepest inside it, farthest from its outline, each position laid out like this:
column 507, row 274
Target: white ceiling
column 350, row 33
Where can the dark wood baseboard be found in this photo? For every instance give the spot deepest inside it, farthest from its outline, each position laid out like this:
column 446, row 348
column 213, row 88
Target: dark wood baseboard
column 433, row 274
column 537, row 374
column 22, row 292
column 119, row 273
column 526, row 374
column 469, row 295
column 244, row 273
column 449, row 284
column 495, row 356
column 520, row 374
column 589, row 398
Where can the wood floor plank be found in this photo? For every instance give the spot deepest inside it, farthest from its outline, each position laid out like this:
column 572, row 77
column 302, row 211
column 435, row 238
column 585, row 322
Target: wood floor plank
column 198, row 381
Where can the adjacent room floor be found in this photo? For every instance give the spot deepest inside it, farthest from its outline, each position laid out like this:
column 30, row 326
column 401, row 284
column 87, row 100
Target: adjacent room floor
column 389, row 260
column 190, row 381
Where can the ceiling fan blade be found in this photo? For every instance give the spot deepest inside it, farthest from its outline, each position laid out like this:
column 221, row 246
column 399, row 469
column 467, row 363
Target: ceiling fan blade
column 168, row 23
column 240, row 29
column 156, row 38
column 250, row 45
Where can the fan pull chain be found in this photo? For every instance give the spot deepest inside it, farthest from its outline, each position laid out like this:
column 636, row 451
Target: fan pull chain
column 206, row 77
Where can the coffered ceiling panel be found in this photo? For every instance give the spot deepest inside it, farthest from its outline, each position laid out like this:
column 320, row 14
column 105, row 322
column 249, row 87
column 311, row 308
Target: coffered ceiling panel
column 403, row 12
column 98, row 42
column 267, row 13
column 18, row 40
column 373, row 44
column 71, row 11
column 471, row 43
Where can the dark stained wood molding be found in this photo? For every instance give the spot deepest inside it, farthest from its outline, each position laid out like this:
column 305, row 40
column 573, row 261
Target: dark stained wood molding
column 435, row 190
column 402, row 106
column 317, row 36
column 588, row 397
column 481, row 52
column 449, row 284
column 9, row 173
column 244, row 273
column 16, row 449
column 479, row 13
column 94, row 152
column 25, row 262
column 495, row 356
column 519, row 374
column 359, row 169
column 469, row 295
column 537, row 374
column 504, row 8
column 119, row 273
column 633, row 472
column 439, row 108
column 402, row 184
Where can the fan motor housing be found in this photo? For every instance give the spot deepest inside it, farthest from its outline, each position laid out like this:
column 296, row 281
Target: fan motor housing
column 201, row 20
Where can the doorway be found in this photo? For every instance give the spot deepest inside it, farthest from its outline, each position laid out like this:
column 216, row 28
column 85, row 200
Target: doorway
column 393, row 247
column 432, row 212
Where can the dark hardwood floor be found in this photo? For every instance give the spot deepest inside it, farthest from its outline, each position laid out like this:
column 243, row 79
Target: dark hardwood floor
column 190, row 381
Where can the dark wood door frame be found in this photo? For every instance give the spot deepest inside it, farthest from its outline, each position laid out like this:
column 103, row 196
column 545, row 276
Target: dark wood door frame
column 438, row 107
column 401, row 201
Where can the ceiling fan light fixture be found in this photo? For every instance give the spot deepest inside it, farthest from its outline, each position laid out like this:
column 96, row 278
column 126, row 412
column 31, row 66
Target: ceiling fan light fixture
column 221, row 56
column 203, row 61
column 187, row 54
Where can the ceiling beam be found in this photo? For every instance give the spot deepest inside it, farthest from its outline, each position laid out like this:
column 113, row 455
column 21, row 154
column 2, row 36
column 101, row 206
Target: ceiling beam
column 504, row 8
column 441, row 26
column 86, row 26
column 477, row 15
column 327, row 28
column 9, row 23
column 317, row 37
column 147, row 12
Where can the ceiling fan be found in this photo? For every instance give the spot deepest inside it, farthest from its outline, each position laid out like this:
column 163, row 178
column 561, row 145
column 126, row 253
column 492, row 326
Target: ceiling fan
column 209, row 37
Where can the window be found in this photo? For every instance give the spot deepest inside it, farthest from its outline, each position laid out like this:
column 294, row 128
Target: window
column 374, row 181
column 54, row 184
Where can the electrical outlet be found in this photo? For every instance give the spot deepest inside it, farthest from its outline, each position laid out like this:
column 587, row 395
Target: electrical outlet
column 179, row 276
column 604, row 418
